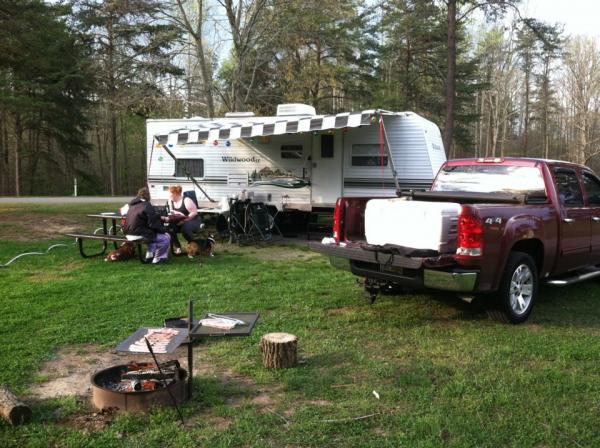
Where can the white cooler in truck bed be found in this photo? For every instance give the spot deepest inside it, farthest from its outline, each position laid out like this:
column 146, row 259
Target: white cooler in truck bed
column 414, row 224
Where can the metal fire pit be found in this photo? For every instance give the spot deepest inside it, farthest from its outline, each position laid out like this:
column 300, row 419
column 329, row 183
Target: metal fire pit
column 104, row 397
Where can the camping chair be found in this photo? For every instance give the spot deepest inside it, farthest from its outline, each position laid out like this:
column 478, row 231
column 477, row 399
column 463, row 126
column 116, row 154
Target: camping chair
column 250, row 222
column 260, row 222
column 192, row 195
column 238, row 221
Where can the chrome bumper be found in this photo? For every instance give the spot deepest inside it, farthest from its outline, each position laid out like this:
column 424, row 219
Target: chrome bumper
column 449, row 281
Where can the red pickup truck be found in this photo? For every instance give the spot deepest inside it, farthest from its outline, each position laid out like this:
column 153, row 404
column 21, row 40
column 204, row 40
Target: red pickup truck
column 490, row 229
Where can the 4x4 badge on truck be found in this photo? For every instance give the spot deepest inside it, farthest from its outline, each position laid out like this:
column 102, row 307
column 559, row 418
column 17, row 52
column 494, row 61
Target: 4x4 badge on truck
column 493, row 221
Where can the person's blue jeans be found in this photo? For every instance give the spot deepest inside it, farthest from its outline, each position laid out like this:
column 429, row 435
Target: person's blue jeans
column 187, row 229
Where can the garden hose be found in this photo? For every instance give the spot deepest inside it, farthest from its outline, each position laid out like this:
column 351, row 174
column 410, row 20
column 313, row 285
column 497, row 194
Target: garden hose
column 32, row 253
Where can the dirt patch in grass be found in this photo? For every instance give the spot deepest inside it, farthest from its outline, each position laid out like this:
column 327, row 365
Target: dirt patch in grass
column 29, row 226
column 91, row 421
column 220, row 423
column 69, row 372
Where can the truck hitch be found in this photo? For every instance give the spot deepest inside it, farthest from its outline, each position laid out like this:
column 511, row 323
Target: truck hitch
column 372, row 288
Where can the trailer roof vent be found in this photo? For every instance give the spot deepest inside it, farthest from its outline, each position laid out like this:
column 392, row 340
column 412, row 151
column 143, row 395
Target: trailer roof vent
column 295, row 109
column 239, row 114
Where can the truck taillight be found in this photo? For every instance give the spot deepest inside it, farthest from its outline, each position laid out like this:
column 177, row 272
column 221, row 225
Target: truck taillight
column 337, row 221
column 469, row 241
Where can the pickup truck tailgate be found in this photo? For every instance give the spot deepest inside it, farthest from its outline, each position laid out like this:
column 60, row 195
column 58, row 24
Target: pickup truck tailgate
column 354, row 251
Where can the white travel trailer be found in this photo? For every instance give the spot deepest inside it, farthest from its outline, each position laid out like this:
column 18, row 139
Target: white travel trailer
column 296, row 159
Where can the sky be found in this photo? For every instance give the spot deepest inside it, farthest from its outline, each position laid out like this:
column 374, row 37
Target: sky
column 580, row 17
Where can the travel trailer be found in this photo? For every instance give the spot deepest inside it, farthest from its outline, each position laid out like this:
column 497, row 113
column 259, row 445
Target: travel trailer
column 296, row 160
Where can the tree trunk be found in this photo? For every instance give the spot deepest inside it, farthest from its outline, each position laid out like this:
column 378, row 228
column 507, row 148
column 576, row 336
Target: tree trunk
column 526, row 119
column 3, row 154
column 18, row 148
column 15, row 412
column 450, row 78
column 34, row 161
column 112, row 97
column 125, row 159
column 279, row 350
column 206, row 78
column 113, row 152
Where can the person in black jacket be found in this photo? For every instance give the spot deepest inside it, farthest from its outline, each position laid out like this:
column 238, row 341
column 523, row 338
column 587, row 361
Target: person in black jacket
column 143, row 222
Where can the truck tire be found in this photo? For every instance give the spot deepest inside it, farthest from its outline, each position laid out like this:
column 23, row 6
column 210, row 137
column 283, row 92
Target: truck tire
column 518, row 290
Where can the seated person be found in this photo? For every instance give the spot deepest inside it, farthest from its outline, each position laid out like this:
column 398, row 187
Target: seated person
column 183, row 219
column 143, row 222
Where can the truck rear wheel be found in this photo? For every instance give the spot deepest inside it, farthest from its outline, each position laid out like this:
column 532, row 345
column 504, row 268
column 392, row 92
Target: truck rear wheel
column 518, row 290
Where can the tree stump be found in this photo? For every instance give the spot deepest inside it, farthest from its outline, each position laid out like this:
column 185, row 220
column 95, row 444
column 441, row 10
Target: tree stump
column 279, row 350
column 12, row 409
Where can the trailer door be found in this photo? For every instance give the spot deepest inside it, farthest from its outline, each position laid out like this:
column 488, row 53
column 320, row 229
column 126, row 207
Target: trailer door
column 326, row 178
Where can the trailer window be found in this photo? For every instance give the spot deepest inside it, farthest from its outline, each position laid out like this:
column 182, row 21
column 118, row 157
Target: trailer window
column 291, row 151
column 368, row 155
column 193, row 167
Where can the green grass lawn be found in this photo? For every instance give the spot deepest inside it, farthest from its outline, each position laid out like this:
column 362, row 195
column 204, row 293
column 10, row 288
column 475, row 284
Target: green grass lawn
column 445, row 374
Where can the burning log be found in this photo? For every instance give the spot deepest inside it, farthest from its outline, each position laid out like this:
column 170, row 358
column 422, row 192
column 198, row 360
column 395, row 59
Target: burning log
column 142, row 377
column 145, row 371
column 12, row 409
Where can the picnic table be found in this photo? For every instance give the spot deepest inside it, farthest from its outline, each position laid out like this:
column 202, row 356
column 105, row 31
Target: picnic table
column 109, row 234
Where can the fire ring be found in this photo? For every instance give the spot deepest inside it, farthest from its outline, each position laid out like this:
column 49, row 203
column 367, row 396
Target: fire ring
column 106, row 392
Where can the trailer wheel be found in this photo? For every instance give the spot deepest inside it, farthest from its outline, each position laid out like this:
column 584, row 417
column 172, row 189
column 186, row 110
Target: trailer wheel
column 518, row 290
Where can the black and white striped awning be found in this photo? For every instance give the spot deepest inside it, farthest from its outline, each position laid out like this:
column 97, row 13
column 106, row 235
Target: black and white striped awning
column 230, row 129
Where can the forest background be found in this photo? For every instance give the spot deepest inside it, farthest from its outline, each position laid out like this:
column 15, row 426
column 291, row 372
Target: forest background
column 79, row 78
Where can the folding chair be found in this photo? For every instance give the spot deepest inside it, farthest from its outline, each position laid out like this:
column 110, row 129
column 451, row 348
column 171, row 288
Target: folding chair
column 250, row 222
column 260, row 222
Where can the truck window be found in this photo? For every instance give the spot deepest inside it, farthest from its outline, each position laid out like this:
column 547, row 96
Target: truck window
column 507, row 179
column 569, row 190
column 195, row 167
column 592, row 188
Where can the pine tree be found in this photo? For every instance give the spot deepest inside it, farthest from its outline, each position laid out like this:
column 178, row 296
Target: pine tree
column 44, row 89
column 131, row 54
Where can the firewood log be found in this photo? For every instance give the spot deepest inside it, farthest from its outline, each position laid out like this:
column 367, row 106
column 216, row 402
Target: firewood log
column 15, row 412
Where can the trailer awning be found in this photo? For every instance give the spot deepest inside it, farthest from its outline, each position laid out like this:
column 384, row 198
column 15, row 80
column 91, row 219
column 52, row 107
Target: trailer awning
column 230, row 128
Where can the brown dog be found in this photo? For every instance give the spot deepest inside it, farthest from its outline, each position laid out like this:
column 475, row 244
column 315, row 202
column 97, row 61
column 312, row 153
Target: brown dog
column 201, row 246
column 123, row 253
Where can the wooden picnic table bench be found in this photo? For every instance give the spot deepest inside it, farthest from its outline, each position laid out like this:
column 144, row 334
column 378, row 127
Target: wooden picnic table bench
column 81, row 237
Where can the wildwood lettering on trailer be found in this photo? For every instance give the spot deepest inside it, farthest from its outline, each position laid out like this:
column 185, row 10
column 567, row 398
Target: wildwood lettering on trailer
column 240, row 159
